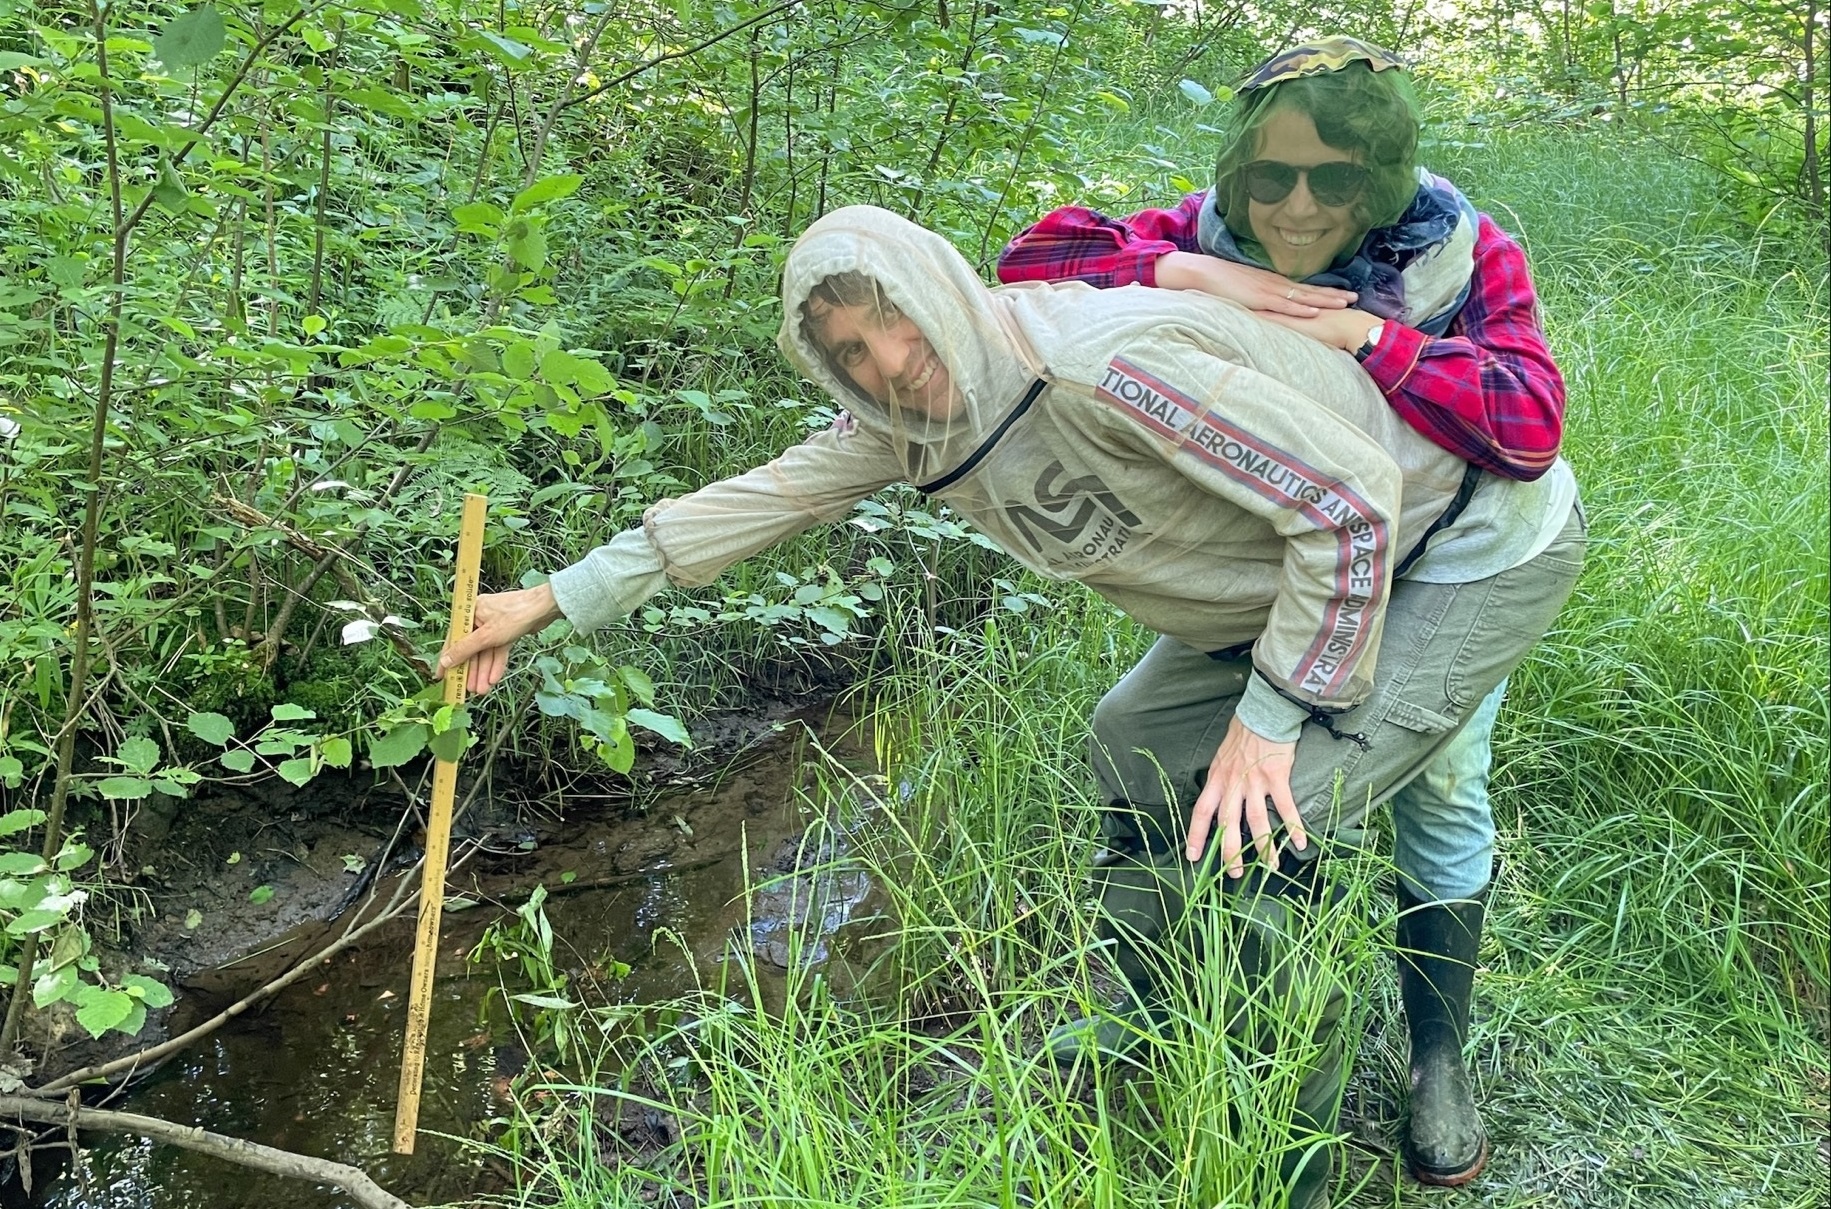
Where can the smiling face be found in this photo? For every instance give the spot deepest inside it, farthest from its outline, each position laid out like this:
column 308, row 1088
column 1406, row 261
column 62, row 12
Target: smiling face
column 885, row 355
column 1300, row 234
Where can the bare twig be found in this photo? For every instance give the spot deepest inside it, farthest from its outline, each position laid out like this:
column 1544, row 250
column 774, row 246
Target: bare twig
column 270, row 645
column 251, row 517
column 365, row 1191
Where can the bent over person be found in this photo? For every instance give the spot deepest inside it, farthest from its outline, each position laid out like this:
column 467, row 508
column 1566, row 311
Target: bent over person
column 1322, row 220
column 1237, row 488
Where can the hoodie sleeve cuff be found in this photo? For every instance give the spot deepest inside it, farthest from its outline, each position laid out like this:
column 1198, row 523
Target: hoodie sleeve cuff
column 610, row 582
column 1266, row 714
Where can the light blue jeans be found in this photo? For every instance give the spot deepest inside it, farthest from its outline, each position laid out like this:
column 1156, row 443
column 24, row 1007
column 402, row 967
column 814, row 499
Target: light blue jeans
column 1442, row 826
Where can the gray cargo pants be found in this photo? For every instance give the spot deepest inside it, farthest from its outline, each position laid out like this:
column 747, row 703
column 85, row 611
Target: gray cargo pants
column 1445, row 647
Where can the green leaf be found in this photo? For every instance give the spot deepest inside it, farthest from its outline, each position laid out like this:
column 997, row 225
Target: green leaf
column 55, row 985
column 260, row 894
column 150, row 991
column 15, row 821
column 192, row 919
column 71, row 945
column 170, row 191
column 541, row 192
column 15, row 863
column 508, row 50
column 239, row 760
column 518, row 360
column 620, row 752
column 478, row 218
column 335, row 750
column 33, row 921
column 138, row 755
column 448, row 745
column 528, row 246
column 136, row 1020
column 16, row 894
column 189, row 40
column 73, row 856
column 560, row 368
column 298, row 771
column 398, row 746
column 286, row 711
column 125, row 788
column 638, row 682
column 1046, row 37
column 664, row 725
column 211, row 728
column 547, row 1003
column 106, row 1010
column 11, row 771
column 828, row 618
column 591, row 378
column 313, row 324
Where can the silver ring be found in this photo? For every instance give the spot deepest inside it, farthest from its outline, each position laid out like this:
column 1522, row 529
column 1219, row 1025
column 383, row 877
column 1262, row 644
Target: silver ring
column 1291, row 295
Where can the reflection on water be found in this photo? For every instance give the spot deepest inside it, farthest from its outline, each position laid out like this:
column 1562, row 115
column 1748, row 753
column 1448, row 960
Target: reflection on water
column 316, row 1070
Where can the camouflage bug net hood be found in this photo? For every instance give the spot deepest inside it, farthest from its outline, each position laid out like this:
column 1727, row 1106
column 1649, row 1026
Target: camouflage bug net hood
column 848, row 282
column 1362, row 103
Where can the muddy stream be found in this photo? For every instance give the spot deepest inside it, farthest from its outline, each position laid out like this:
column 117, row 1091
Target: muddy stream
column 661, row 891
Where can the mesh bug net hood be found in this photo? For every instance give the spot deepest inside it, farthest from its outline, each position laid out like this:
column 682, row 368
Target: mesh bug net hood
column 1362, row 103
column 877, row 267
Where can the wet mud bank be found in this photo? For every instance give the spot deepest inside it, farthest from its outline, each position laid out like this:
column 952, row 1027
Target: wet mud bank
column 646, row 898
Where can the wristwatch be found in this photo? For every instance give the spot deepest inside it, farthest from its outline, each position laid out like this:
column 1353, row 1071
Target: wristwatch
column 1373, row 338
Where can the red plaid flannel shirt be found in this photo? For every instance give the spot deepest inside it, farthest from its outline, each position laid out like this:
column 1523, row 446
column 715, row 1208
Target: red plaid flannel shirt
column 1487, row 391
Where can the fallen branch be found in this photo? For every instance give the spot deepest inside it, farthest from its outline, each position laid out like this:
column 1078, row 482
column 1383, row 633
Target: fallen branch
column 365, row 1191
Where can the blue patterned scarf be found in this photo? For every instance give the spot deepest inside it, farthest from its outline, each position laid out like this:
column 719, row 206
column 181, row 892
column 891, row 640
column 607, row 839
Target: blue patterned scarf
column 1416, row 271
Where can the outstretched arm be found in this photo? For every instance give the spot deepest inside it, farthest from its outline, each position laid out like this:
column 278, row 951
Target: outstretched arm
column 687, row 542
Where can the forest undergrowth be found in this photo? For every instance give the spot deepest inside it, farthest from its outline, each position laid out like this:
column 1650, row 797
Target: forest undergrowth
column 1651, row 1016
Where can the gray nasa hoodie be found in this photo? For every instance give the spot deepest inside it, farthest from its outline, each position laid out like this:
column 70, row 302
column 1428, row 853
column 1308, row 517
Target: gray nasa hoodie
column 1221, row 479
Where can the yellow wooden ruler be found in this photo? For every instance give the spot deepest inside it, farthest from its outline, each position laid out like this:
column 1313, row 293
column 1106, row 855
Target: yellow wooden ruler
column 438, row 839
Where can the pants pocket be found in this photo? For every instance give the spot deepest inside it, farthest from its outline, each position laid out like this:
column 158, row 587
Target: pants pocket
column 1419, row 720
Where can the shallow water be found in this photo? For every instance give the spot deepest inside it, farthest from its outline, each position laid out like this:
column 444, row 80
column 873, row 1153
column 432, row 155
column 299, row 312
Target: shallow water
column 316, row 1069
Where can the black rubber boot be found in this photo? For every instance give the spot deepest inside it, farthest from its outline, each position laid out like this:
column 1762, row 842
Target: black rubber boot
column 1309, row 1172
column 1445, row 1144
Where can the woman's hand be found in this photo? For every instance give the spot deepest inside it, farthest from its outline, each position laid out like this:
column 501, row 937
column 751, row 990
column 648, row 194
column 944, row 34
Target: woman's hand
column 1345, row 329
column 501, row 618
column 1253, row 288
column 1246, row 771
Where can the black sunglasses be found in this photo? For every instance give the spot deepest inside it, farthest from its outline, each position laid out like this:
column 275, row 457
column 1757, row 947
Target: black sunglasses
column 1335, row 183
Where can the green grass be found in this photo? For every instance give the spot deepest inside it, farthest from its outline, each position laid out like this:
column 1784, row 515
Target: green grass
column 1651, row 1023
